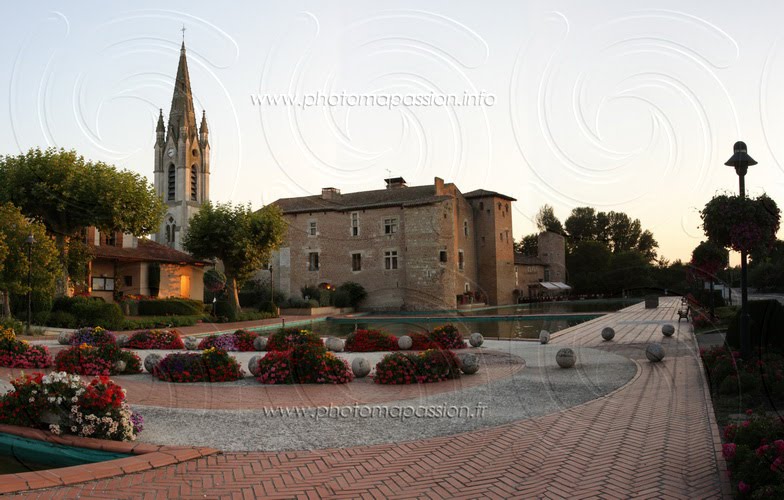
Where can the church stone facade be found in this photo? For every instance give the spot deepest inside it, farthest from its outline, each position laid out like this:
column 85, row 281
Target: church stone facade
column 182, row 161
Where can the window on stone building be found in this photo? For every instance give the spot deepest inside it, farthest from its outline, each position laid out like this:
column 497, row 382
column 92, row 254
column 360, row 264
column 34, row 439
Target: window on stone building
column 442, row 257
column 171, row 186
column 356, row 261
column 501, row 236
column 194, row 178
column 313, row 261
column 390, row 259
column 103, row 284
column 465, row 228
column 390, row 225
column 170, row 231
column 354, row 224
column 481, row 205
column 128, row 280
column 312, row 228
column 547, row 274
column 460, row 260
column 517, row 280
column 467, row 287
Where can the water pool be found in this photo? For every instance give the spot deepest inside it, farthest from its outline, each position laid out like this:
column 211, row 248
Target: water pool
column 19, row 454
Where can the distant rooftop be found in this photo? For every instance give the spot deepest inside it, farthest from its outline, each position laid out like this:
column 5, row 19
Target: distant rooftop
column 484, row 193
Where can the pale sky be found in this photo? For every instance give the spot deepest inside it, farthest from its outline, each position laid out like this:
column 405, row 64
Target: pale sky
column 622, row 105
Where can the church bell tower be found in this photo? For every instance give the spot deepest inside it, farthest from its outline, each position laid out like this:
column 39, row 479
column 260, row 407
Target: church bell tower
column 182, row 161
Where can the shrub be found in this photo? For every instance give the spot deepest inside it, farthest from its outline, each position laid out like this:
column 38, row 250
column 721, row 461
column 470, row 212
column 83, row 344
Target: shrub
column 766, row 326
column 16, row 353
column 61, row 319
column 758, row 377
column 356, row 293
column 102, row 359
column 304, row 364
column 291, row 337
column 160, row 322
column 97, row 410
column 225, row 308
column 156, row 339
column 755, row 456
column 448, row 337
column 428, row 366
column 370, row 341
column 172, row 307
column 310, row 293
column 212, row 365
column 93, row 336
column 86, row 311
column 9, row 322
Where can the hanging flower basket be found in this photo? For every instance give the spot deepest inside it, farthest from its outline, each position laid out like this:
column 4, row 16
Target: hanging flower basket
column 748, row 224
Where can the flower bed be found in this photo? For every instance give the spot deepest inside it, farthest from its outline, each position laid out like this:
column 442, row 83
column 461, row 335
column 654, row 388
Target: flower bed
column 92, row 336
column 433, row 365
column 292, row 337
column 755, row 456
column 371, row 341
column 241, row 340
column 16, row 353
column 304, row 363
column 106, row 359
column 757, row 378
column 70, row 406
column 212, row 365
column 448, row 337
column 156, row 339
column 422, row 342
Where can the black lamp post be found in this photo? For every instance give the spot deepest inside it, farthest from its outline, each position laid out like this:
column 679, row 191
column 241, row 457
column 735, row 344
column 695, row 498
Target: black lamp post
column 741, row 161
column 30, row 240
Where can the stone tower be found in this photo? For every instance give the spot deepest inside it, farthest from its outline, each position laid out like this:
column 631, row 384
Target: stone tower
column 182, row 161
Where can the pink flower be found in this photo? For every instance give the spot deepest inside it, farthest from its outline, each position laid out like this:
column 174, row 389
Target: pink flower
column 743, row 487
column 728, row 450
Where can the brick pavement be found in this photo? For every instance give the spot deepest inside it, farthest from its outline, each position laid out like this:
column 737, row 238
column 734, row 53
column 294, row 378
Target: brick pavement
column 653, row 438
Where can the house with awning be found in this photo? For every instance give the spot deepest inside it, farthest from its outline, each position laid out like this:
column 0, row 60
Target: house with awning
column 543, row 275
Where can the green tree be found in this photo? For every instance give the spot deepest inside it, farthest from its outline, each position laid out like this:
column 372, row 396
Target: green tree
column 67, row 193
column 588, row 264
column 529, row 245
column 241, row 238
column 707, row 259
column 14, row 230
column 581, row 225
column 647, row 245
column 547, row 221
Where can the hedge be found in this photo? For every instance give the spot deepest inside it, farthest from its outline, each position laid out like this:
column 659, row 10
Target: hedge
column 170, row 307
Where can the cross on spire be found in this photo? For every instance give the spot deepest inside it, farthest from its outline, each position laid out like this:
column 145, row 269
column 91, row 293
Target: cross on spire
column 183, row 33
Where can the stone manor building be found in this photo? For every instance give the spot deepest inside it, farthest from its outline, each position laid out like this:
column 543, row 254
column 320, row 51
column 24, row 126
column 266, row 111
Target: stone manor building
column 421, row 247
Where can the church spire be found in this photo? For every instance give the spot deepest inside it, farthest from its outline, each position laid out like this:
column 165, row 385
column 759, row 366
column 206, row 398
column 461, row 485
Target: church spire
column 182, row 114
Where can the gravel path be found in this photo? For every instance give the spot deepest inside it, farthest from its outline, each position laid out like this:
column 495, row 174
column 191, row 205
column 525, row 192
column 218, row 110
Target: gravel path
column 540, row 388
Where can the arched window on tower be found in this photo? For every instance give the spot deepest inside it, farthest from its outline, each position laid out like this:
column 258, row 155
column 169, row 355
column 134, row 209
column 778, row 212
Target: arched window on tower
column 171, row 191
column 194, row 179
column 170, row 228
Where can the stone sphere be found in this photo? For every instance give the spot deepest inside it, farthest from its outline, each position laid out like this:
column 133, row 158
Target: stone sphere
column 469, row 363
column 335, row 344
column 122, row 340
column 608, row 333
column 151, row 361
column 260, row 343
column 361, row 367
column 405, row 342
column 668, row 330
column 654, row 352
column 191, row 343
column 119, row 366
column 544, row 337
column 565, row 358
column 64, row 338
column 476, row 339
column 253, row 365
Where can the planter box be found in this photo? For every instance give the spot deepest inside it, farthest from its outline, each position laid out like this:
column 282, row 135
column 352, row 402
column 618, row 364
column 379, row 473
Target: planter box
column 651, row 301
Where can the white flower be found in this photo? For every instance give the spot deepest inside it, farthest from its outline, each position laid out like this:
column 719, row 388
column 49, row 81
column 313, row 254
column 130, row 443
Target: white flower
column 32, row 400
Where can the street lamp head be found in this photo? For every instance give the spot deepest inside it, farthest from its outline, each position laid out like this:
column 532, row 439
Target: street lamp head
column 740, row 158
column 30, row 239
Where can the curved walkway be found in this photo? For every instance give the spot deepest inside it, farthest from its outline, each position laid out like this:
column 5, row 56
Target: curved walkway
column 654, row 437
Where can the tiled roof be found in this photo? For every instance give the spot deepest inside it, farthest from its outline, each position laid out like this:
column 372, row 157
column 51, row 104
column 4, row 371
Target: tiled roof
column 404, row 196
column 146, row 251
column 527, row 260
column 484, row 193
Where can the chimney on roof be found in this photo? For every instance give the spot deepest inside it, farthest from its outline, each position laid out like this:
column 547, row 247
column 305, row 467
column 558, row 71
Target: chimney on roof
column 439, row 186
column 330, row 193
column 395, row 182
